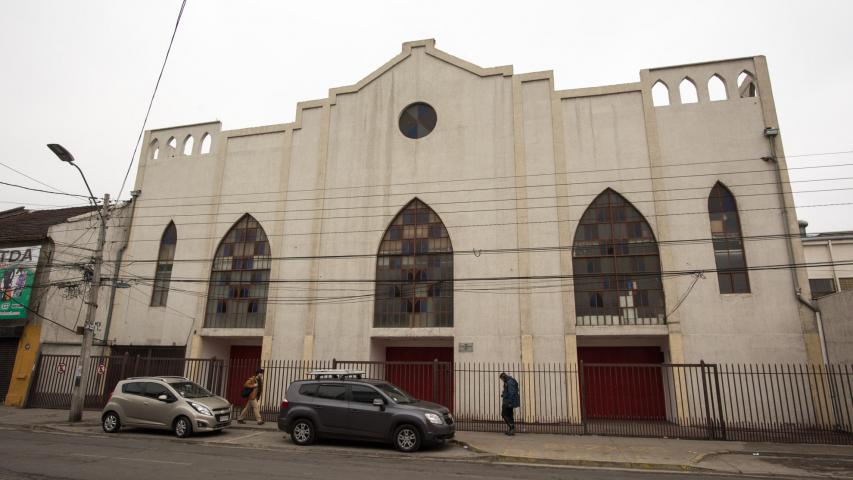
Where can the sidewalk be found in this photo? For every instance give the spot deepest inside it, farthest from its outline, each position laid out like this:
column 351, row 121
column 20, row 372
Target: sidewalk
column 782, row 460
column 798, row 460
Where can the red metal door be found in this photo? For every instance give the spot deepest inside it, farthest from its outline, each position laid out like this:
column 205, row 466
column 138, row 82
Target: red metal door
column 245, row 359
column 423, row 378
column 624, row 383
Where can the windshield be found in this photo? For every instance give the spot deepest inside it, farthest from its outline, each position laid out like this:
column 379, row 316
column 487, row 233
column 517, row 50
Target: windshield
column 395, row 393
column 190, row 390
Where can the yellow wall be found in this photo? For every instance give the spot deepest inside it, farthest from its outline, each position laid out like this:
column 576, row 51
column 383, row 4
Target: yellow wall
column 23, row 368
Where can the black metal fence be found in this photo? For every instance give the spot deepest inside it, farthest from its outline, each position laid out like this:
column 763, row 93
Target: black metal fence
column 779, row 403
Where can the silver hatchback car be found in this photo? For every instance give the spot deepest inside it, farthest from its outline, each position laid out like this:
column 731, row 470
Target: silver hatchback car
column 165, row 403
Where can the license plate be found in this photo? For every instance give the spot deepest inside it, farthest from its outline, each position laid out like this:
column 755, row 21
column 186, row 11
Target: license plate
column 224, row 418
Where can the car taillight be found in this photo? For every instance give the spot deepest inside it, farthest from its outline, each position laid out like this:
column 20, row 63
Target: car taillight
column 284, row 404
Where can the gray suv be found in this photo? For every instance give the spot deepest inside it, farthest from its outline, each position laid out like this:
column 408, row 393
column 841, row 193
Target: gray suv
column 165, row 403
column 364, row 409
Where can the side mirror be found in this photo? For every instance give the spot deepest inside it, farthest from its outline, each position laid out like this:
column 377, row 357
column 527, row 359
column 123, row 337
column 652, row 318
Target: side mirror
column 163, row 398
column 379, row 403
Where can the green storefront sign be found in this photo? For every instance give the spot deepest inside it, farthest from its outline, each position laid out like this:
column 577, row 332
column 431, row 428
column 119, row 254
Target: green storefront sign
column 17, row 274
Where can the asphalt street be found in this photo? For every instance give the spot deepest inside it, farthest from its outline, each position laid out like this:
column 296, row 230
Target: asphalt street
column 147, row 455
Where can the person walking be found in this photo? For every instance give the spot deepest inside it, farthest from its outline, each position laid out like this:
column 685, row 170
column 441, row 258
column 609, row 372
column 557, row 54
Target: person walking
column 254, row 387
column 509, row 401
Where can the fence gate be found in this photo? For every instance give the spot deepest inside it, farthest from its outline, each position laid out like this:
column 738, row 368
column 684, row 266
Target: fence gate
column 54, row 378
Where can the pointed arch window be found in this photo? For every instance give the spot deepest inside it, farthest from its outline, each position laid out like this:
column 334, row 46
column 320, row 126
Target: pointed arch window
column 239, row 280
column 414, row 271
column 728, row 241
column 616, row 266
column 163, row 274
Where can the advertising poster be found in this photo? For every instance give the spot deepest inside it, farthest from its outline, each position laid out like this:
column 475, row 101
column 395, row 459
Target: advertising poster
column 17, row 274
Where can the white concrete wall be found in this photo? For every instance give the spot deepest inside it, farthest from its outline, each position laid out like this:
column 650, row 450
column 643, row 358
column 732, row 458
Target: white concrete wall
column 700, row 144
column 64, row 300
column 837, row 314
column 832, row 250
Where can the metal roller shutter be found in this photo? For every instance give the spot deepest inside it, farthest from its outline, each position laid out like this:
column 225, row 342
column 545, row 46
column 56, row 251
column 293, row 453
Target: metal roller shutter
column 8, row 349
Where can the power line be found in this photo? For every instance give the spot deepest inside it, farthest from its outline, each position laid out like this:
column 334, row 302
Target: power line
column 151, row 102
column 42, row 191
column 28, row 204
column 476, row 252
column 371, row 295
column 43, row 317
column 33, row 179
column 483, row 189
column 512, row 208
column 499, row 224
column 663, row 273
column 530, row 175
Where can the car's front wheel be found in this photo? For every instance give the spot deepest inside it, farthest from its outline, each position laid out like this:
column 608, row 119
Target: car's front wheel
column 183, row 428
column 111, row 423
column 407, row 438
column 303, row 432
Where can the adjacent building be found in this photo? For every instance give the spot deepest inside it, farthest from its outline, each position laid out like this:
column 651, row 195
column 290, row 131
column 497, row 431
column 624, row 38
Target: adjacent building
column 26, row 253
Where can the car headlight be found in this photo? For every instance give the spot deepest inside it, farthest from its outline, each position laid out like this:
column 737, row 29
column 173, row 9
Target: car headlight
column 202, row 409
column 433, row 418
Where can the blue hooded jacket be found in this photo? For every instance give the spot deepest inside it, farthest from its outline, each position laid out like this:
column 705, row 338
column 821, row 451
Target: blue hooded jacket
column 509, row 396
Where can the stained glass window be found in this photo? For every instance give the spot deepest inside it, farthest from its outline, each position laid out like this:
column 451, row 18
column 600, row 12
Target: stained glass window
column 239, row 281
column 728, row 241
column 418, row 120
column 163, row 274
column 414, row 271
column 616, row 266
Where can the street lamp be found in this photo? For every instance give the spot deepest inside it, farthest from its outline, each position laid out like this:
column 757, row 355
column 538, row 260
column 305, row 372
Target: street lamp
column 66, row 157
column 81, row 374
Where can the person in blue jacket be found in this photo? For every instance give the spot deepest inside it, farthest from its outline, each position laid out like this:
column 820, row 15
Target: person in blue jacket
column 509, row 401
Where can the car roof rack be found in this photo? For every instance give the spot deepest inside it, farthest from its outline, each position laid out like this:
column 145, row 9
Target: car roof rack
column 157, row 377
column 336, row 373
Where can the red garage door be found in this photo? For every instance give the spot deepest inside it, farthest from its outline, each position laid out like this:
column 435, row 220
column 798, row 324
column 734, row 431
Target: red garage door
column 426, row 381
column 623, row 383
column 244, row 361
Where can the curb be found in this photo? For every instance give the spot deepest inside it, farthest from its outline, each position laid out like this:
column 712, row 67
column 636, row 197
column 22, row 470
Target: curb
column 500, row 458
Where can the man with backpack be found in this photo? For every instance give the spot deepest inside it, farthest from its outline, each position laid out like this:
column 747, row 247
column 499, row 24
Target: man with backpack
column 509, row 401
column 252, row 390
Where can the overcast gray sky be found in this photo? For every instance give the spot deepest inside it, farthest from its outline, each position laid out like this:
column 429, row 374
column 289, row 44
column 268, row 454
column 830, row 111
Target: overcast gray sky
column 81, row 73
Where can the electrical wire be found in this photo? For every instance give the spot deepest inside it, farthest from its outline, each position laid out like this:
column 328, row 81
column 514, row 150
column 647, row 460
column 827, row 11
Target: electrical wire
column 27, row 308
column 663, row 274
column 420, row 192
column 151, row 102
column 33, row 179
column 42, row 191
column 450, row 212
column 529, row 175
column 494, row 224
column 475, row 252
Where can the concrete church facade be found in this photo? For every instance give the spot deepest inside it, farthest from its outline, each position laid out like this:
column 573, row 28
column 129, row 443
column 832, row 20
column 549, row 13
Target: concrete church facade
column 439, row 206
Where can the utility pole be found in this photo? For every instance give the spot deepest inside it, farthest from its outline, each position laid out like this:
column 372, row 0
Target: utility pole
column 81, row 375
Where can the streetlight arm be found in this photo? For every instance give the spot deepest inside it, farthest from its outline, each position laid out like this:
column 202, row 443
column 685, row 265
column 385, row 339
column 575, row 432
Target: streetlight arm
column 91, row 195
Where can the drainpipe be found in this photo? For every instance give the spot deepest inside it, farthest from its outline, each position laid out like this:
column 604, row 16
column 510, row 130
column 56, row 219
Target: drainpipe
column 119, row 256
column 771, row 133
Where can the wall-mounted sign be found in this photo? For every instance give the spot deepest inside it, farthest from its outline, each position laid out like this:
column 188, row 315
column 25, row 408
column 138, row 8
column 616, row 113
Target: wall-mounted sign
column 17, row 274
column 466, row 347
